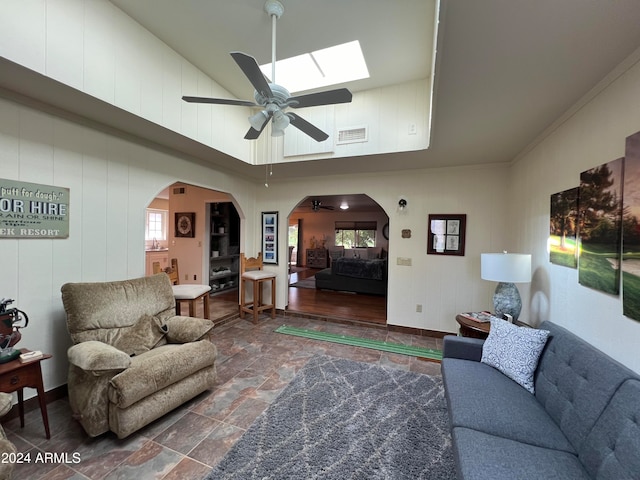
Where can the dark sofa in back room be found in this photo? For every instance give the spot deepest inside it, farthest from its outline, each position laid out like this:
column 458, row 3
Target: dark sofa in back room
column 355, row 275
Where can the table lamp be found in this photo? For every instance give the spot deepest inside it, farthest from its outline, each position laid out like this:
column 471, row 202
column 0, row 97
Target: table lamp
column 507, row 269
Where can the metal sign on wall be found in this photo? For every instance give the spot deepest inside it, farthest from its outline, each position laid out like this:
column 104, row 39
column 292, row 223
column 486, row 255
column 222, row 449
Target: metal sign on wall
column 31, row 210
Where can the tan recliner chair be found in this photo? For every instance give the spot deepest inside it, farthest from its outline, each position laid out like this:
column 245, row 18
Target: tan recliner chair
column 6, row 447
column 133, row 359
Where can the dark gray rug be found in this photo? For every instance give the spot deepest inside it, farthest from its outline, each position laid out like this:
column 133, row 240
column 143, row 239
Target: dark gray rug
column 340, row 419
column 309, row 282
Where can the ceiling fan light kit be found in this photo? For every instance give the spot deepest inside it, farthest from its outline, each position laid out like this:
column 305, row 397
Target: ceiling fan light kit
column 274, row 99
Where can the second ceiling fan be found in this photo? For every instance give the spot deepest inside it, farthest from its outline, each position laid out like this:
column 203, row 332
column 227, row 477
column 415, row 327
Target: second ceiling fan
column 274, row 99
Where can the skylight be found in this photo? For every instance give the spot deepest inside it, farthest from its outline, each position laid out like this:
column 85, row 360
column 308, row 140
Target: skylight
column 329, row 66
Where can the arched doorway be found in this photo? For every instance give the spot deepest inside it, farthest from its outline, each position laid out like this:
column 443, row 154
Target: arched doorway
column 349, row 227
column 206, row 247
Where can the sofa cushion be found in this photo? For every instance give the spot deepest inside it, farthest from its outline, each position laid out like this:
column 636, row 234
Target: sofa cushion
column 481, row 456
column 575, row 381
column 97, row 357
column 360, row 268
column 140, row 337
column 482, row 398
column 158, row 368
column 95, row 309
column 612, row 449
column 187, row 329
column 514, row 351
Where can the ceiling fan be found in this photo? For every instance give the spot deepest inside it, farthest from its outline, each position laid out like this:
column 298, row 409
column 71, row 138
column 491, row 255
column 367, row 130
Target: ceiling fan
column 274, row 99
column 316, row 205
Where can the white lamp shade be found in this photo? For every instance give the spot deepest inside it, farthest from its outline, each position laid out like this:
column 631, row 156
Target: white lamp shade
column 506, row 267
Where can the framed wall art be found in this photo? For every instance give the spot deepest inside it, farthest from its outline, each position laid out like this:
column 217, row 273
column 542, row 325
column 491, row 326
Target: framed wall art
column 186, row 225
column 600, row 228
column 563, row 228
column 270, row 237
column 631, row 229
column 446, row 234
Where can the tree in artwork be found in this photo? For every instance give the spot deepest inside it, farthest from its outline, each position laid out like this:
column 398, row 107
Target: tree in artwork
column 600, row 210
column 563, row 228
column 631, row 230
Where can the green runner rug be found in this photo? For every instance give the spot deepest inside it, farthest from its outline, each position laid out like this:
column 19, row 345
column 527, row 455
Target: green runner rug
column 428, row 353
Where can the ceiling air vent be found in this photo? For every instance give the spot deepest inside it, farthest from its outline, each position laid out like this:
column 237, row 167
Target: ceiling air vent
column 352, row 135
column 179, row 191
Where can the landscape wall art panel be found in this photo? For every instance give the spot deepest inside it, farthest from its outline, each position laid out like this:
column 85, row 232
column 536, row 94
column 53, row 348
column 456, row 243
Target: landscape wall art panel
column 600, row 229
column 563, row 228
column 631, row 229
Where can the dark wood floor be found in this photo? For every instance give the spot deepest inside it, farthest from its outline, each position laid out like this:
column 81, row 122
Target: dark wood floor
column 321, row 303
column 326, row 303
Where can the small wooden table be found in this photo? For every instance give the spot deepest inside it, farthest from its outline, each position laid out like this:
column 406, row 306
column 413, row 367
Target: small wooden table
column 15, row 376
column 471, row 328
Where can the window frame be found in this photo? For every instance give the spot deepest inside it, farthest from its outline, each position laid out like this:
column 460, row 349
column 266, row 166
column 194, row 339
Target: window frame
column 164, row 215
column 356, row 227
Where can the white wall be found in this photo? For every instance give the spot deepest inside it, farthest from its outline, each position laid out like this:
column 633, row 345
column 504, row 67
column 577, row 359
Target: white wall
column 594, row 134
column 443, row 285
column 94, row 47
column 111, row 182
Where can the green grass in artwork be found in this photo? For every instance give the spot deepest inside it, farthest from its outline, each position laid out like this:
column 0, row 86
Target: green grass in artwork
column 596, row 271
column 562, row 255
column 631, row 295
column 428, row 353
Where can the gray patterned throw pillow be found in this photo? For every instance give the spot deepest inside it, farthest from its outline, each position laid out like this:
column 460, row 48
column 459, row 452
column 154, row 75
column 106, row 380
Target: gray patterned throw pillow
column 514, row 351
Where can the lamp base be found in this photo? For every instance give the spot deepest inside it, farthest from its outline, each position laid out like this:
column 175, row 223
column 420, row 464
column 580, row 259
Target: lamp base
column 506, row 299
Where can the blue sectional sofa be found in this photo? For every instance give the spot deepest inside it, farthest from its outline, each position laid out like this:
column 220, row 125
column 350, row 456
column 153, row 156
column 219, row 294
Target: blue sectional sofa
column 583, row 422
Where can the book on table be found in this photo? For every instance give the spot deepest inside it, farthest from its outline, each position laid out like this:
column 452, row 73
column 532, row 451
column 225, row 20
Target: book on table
column 480, row 317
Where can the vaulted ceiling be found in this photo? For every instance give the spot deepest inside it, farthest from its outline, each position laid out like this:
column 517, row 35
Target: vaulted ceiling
column 505, row 69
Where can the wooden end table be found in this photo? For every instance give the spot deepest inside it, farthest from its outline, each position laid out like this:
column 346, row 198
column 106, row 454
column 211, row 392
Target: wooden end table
column 15, row 376
column 473, row 329
column 470, row 328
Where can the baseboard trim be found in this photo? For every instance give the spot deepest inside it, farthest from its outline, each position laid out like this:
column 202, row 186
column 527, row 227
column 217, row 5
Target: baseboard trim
column 346, row 321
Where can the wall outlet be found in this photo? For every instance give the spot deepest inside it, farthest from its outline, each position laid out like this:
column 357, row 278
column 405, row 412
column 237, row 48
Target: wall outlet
column 195, row 277
column 419, row 308
column 413, row 129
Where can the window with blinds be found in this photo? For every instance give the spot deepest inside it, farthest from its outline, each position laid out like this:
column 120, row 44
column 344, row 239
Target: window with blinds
column 356, row 234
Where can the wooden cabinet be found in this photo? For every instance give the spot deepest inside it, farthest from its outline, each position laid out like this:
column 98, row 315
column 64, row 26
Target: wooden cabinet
column 317, row 258
column 224, row 257
column 160, row 256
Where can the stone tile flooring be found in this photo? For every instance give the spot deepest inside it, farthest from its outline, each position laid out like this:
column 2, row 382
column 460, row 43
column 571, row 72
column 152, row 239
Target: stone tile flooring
column 254, row 365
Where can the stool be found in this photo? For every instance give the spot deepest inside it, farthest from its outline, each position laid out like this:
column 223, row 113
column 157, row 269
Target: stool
column 251, row 270
column 191, row 294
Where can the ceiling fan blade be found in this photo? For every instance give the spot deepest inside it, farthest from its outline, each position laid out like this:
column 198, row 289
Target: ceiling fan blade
column 253, row 134
column 252, row 71
column 220, row 101
column 330, row 97
column 306, row 127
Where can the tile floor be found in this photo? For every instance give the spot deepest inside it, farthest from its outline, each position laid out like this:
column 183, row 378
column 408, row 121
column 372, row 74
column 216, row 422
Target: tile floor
column 254, row 365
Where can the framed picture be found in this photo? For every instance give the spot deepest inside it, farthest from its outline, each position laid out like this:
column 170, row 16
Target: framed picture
column 563, row 228
column 446, row 234
column 270, row 237
column 186, row 225
column 600, row 227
